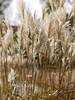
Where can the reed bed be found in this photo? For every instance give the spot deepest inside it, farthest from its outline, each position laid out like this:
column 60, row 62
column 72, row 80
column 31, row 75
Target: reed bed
column 37, row 59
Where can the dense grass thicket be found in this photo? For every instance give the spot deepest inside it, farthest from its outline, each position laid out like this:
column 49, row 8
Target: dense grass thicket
column 37, row 58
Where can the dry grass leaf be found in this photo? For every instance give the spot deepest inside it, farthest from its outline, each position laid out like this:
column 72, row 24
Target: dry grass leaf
column 73, row 11
column 7, row 39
